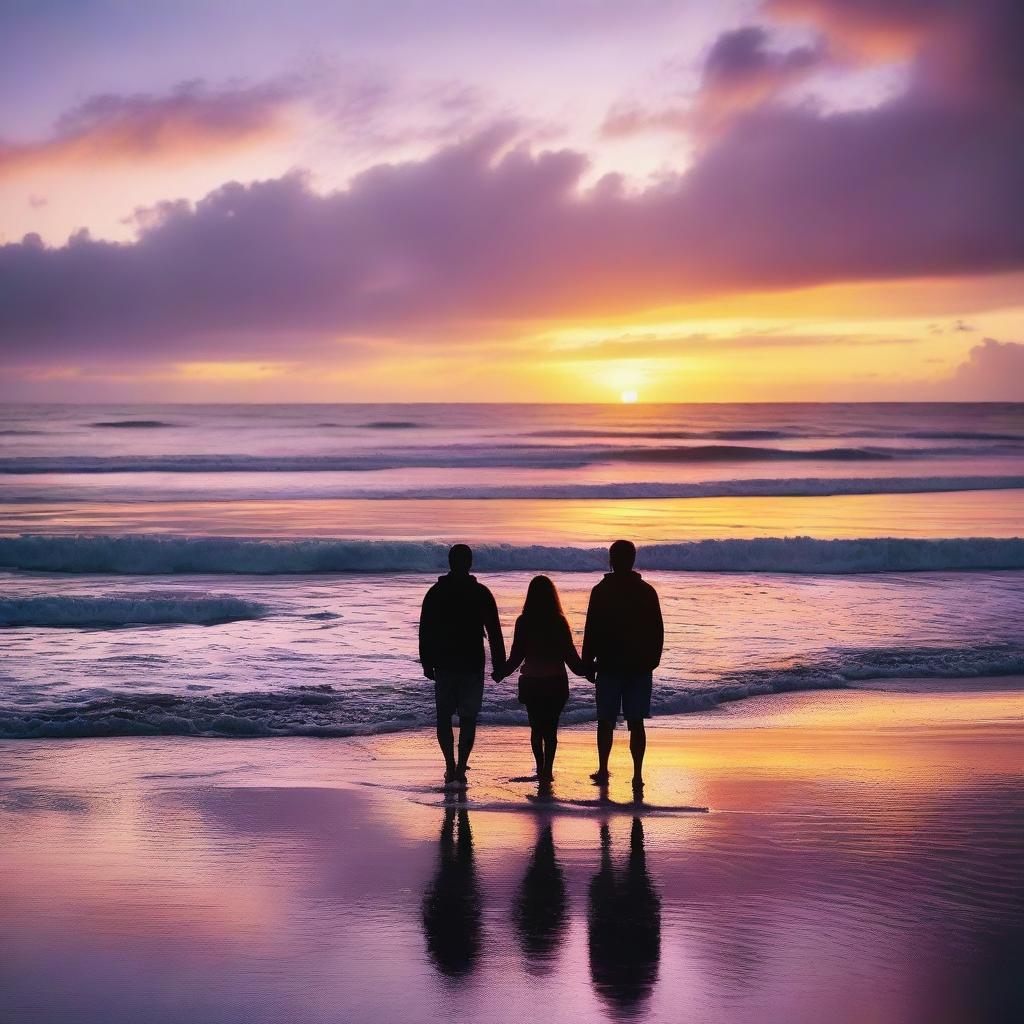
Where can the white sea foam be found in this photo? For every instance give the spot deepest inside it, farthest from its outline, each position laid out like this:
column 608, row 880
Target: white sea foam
column 143, row 554
column 328, row 711
column 125, row 609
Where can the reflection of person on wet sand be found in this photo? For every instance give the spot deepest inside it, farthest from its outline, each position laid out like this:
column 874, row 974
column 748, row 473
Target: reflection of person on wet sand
column 624, row 927
column 451, row 908
column 541, row 906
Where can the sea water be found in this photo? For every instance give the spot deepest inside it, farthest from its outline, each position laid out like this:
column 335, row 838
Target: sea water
column 257, row 570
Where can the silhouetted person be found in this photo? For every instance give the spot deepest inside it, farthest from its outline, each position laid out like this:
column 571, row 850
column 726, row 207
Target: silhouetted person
column 451, row 907
column 622, row 645
column 543, row 645
column 624, row 927
column 541, row 907
column 457, row 612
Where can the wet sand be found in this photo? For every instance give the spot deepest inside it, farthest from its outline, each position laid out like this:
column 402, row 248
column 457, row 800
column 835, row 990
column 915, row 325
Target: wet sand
column 859, row 861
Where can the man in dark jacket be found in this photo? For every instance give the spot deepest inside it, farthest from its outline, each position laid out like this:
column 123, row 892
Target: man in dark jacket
column 622, row 645
column 457, row 611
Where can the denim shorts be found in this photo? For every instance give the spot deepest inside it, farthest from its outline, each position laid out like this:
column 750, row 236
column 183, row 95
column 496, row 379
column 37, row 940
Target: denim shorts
column 458, row 691
column 628, row 692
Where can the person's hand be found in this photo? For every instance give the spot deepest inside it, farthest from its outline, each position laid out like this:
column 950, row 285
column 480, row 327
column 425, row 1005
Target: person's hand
column 428, row 672
column 592, row 677
column 497, row 675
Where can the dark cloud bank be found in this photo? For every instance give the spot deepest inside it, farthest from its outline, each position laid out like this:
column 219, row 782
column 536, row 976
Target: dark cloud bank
column 928, row 184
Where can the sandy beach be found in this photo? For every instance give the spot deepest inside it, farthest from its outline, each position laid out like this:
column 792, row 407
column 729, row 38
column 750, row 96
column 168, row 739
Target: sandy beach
column 858, row 861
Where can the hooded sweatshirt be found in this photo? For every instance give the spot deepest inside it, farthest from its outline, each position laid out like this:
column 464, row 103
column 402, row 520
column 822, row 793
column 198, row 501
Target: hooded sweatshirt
column 624, row 631
column 457, row 611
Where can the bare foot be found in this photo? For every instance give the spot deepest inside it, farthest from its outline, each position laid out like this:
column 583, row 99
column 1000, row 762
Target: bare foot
column 600, row 777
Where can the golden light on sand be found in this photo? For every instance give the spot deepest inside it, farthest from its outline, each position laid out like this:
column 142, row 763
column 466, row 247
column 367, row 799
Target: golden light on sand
column 629, row 397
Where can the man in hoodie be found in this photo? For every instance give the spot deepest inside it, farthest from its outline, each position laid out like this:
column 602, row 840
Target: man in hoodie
column 622, row 645
column 457, row 611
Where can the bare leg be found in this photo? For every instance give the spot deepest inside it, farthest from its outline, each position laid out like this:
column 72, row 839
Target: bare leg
column 550, row 746
column 638, row 747
column 605, row 735
column 467, row 735
column 446, row 741
column 537, row 743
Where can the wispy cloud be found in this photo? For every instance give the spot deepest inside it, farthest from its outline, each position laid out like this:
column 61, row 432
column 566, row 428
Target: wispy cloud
column 190, row 119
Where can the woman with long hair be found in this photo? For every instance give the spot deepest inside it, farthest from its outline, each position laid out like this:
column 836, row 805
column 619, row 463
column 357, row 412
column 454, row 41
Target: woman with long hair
column 543, row 645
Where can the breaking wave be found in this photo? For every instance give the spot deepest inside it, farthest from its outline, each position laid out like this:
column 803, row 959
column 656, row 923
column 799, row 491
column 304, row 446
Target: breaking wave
column 125, row 610
column 328, row 711
column 143, row 554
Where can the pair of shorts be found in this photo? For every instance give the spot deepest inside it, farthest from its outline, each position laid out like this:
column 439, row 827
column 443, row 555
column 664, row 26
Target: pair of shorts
column 628, row 692
column 461, row 692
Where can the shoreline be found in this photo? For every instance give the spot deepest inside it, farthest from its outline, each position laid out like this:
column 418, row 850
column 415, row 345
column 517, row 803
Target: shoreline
column 859, row 860
column 770, row 708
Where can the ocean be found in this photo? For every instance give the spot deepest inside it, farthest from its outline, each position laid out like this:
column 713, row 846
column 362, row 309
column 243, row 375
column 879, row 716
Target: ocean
column 242, row 570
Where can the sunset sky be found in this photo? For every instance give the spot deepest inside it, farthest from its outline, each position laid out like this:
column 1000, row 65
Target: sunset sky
column 541, row 200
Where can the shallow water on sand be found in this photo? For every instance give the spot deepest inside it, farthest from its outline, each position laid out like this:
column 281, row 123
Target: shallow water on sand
column 846, row 872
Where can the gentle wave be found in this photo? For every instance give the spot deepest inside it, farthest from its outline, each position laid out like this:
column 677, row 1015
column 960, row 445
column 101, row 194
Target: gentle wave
column 133, row 424
column 326, row 711
column 142, row 554
column 674, row 435
column 125, row 610
column 466, row 456
column 775, row 435
column 786, row 487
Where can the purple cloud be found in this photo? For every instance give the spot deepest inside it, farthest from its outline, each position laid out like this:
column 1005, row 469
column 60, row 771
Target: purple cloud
column 993, row 371
column 190, row 118
column 927, row 184
column 741, row 60
column 740, row 71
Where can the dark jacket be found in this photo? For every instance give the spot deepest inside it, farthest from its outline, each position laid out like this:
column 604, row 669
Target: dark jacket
column 624, row 631
column 456, row 613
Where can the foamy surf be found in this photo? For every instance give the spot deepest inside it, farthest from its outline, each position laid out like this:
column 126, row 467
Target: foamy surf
column 125, row 610
column 328, row 711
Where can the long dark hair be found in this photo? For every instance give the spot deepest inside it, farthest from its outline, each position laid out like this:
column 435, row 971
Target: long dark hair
column 542, row 608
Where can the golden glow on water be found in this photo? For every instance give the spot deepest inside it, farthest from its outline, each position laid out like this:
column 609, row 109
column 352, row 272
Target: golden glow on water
column 961, row 513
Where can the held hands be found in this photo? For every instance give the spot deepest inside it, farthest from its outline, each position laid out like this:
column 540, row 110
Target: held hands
column 499, row 673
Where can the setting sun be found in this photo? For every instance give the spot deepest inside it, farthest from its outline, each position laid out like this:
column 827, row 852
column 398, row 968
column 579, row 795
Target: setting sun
column 629, row 397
